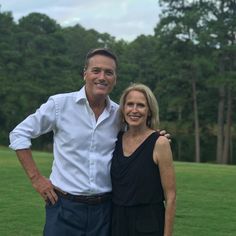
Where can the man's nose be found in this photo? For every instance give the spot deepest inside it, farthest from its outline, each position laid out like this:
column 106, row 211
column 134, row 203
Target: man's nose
column 102, row 74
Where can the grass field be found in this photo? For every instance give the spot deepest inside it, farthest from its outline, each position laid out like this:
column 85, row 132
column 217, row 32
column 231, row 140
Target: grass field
column 206, row 198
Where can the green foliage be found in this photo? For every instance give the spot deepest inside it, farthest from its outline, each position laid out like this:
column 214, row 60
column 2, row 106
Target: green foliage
column 193, row 41
column 38, row 23
column 200, row 36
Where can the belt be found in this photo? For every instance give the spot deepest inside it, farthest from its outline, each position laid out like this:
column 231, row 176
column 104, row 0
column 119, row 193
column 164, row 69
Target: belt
column 90, row 199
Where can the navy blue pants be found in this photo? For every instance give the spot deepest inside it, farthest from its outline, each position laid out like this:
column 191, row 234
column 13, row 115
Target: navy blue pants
column 70, row 218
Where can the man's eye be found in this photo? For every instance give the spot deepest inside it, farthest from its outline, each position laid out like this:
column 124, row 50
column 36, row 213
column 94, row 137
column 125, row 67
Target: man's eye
column 95, row 71
column 109, row 73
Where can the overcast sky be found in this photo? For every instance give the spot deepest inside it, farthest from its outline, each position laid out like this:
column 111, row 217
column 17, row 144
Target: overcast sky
column 123, row 19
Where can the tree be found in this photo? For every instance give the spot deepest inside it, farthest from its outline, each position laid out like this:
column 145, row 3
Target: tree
column 9, row 60
column 222, row 29
column 183, row 20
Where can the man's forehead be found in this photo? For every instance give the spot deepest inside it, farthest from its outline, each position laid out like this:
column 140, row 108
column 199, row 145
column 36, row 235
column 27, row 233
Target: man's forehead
column 100, row 61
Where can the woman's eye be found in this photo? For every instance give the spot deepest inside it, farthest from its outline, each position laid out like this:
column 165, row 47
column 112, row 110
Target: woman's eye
column 141, row 105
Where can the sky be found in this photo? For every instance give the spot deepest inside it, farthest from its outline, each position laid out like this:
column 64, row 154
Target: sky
column 123, row 19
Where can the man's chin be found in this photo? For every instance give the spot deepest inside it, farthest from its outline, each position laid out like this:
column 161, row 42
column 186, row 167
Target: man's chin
column 102, row 91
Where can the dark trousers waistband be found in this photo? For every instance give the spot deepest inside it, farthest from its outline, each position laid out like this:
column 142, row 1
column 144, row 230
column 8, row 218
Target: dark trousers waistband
column 90, row 199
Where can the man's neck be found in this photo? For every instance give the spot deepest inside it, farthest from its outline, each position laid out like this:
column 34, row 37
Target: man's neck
column 97, row 106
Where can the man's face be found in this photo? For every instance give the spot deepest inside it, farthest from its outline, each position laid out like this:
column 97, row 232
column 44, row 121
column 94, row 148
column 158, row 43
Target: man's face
column 100, row 76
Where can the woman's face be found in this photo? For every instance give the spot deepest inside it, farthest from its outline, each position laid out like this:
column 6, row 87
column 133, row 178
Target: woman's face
column 136, row 109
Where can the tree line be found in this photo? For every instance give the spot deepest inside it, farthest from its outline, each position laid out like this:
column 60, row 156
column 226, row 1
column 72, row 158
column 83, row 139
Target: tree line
column 189, row 63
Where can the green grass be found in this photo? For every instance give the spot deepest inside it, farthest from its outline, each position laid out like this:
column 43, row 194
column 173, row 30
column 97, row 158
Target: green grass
column 206, row 198
column 21, row 208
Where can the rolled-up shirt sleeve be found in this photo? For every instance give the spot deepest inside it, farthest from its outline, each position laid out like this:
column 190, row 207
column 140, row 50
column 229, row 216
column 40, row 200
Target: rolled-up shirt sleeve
column 36, row 124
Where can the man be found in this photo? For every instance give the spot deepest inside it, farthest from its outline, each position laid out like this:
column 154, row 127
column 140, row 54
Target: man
column 85, row 125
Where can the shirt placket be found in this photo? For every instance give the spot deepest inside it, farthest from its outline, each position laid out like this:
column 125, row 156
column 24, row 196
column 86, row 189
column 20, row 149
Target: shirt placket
column 92, row 170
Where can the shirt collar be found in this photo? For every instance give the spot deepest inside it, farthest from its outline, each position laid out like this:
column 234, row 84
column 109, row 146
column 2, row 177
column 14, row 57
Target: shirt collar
column 81, row 96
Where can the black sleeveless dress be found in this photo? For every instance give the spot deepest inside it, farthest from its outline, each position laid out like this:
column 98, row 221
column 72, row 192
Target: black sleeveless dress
column 137, row 193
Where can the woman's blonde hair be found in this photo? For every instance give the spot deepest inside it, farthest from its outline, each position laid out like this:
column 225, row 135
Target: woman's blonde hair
column 153, row 117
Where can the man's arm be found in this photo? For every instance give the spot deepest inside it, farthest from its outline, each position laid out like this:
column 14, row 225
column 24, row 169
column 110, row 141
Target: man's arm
column 40, row 183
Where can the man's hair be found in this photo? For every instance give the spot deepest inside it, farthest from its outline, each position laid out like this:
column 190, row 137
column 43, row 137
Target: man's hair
column 100, row 51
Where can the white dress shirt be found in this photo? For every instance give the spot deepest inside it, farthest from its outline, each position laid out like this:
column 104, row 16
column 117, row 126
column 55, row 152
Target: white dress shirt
column 82, row 147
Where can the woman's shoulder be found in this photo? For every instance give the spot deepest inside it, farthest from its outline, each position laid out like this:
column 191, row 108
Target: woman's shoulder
column 162, row 143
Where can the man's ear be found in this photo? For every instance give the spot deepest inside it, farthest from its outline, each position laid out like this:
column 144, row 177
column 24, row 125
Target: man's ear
column 84, row 74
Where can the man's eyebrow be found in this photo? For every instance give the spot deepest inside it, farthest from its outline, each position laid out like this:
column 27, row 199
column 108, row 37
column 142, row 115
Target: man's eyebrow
column 100, row 68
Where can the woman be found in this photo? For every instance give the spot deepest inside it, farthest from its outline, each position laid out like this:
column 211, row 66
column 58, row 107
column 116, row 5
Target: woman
column 142, row 171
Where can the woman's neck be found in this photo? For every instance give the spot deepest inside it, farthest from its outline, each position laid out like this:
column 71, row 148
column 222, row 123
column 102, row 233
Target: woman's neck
column 138, row 131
